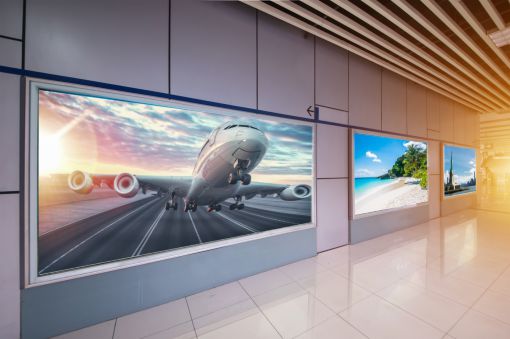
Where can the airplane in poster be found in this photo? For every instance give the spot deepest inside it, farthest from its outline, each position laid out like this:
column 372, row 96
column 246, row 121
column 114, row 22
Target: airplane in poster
column 222, row 171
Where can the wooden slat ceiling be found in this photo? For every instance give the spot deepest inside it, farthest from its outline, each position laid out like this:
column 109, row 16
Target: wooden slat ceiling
column 440, row 44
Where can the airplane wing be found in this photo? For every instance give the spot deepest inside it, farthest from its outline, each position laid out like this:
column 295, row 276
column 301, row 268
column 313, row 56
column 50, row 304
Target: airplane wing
column 285, row 192
column 127, row 185
column 179, row 185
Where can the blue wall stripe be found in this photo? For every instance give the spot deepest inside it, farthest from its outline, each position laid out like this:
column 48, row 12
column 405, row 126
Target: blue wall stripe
column 60, row 78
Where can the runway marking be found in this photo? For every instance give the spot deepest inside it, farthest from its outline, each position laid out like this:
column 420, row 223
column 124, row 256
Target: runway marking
column 195, row 227
column 148, row 234
column 238, row 223
column 261, row 216
column 95, row 234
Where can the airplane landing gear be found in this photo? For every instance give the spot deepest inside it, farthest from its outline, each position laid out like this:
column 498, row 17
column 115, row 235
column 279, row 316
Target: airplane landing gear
column 216, row 208
column 237, row 205
column 171, row 203
column 240, row 167
column 246, row 179
column 233, row 178
column 190, row 206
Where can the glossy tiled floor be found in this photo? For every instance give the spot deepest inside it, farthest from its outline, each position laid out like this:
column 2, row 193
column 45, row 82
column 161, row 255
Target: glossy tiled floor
column 448, row 278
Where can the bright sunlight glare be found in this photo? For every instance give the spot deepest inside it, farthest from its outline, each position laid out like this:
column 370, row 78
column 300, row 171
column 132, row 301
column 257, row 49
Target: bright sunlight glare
column 50, row 153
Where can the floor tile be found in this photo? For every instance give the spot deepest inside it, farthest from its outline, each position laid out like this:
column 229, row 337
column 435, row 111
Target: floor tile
column 99, row 331
column 292, row 310
column 334, row 291
column 377, row 318
column 334, row 257
column 182, row 331
column 265, row 281
column 458, row 290
column 494, row 304
column 242, row 320
column 215, row 299
column 475, row 325
column 433, row 308
column 482, row 272
column 225, row 316
column 502, row 284
column 152, row 320
column 375, row 275
column 302, row 269
column 333, row 328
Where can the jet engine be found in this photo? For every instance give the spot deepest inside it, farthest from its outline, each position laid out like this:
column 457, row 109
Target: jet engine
column 126, row 185
column 80, row 182
column 296, row 192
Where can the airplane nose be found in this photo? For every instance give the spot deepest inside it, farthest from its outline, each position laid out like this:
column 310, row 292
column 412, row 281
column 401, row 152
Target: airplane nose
column 253, row 142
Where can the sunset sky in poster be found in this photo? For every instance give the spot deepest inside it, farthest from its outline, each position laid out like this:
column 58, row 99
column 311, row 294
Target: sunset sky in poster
column 105, row 136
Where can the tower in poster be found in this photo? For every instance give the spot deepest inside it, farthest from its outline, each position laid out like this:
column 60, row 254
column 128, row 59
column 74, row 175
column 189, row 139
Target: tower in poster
column 459, row 170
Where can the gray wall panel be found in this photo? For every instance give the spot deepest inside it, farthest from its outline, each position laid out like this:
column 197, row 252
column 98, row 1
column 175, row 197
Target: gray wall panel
column 332, row 152
column 285, row 68
column 364, row 93
column 11, row 18
column 123, row 42
column 416, row 110
column 10, row 53
column 331, row 76
column 9, row 132
column 394, row 117
column 214, row 43
column 58, row 308
column 332, row 213
column 373, row 226
column 9, row 270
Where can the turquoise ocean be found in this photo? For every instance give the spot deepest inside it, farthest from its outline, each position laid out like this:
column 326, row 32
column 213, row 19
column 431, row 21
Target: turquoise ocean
column 363, row 185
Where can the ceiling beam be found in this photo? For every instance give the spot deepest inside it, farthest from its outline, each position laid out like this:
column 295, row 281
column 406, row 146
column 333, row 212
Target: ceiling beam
column 259, row 5
column 426, row 42
column 493, row 13
column 479, row 29
column 424, row 22
column 291, row 6
column 344, row 20
column 448, row 21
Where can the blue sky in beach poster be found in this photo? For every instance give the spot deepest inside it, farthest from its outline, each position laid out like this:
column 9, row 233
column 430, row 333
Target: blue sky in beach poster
column 374, row 155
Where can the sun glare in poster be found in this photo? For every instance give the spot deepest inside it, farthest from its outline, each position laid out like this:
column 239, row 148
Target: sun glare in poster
column 388, row 173
column 459, row 170
column 121, row 179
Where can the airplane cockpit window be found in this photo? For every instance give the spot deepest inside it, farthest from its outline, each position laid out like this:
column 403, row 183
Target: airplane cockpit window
column 247, row 126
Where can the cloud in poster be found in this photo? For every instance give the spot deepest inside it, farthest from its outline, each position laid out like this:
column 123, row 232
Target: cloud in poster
column 417, row 144
column 115, row 135
column 373, row 156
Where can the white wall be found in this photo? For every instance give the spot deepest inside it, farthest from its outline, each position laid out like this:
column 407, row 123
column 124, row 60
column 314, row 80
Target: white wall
column 225, row 52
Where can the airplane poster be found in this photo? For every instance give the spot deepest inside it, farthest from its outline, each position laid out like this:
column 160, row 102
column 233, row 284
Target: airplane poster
column 121, row 179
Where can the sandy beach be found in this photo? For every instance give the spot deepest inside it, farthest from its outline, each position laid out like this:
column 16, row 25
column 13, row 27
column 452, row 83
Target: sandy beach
column 392, row 195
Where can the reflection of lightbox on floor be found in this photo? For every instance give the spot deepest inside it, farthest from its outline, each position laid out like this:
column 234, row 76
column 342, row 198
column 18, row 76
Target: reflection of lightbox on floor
column 389, row 173
column 459, row 170
column 124, row 177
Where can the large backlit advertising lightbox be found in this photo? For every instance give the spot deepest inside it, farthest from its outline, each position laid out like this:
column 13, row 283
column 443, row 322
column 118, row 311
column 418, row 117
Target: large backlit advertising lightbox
column 114, row 177
column 459, row 172
column 389, row 173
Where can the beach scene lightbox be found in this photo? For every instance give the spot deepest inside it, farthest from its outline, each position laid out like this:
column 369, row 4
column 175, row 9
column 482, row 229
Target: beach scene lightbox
column 389, row 173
